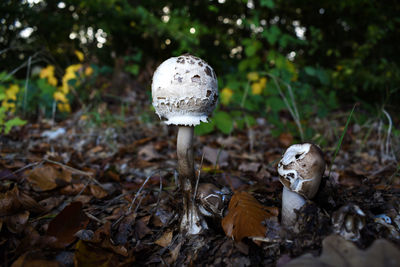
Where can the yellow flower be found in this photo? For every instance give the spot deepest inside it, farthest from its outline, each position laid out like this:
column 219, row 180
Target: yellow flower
column 73, row 68
column 64, row 88
column 339, row 67
column 256, row 88
column 88, row 71
column 52, row 81
column 79, row 55
column 59, row 96
column 9, row 106
column 12, row 92
column 252, row 76
column 69, row 75
column 64, row 107
column 226, row 95
column 263, row 82
column 47, row 72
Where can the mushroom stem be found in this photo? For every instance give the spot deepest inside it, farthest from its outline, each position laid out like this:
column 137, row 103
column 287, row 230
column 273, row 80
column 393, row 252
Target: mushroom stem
column 191, row 221
column 185, row 156
column 290, row 201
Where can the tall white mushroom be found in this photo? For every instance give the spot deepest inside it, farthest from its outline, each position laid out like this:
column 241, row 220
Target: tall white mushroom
column 300, row 170
column 185, row 92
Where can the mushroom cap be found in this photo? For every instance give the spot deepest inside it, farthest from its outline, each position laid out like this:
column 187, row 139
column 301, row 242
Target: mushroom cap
column 184, row 90
column 301, row 169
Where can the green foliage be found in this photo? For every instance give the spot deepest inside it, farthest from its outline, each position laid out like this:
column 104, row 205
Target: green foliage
column 7, row 124
column 311, row 55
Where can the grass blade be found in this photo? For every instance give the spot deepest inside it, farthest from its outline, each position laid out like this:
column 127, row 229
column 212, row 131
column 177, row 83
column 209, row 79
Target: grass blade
column 341, row 138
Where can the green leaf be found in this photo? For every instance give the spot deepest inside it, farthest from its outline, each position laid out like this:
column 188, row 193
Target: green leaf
column 275, row 103
column 272, row 34
column 223, row 121
column 12, row 123
column 133, row 69
column 204, row 128
column 310, row 71
column 267, row 3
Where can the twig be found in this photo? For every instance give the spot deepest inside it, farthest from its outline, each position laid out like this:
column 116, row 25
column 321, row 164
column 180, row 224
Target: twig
column 83, row 189
column 159, row 193
column 94, row 218
column 21, row 169
column 198, row 178
column 140, row 202
column 139, row 191
column 75, row 171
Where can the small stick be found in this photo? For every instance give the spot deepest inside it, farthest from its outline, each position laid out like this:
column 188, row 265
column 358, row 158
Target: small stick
column 139, row 191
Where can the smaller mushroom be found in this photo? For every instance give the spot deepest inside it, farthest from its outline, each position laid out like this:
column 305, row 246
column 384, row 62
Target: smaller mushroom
column 348, row 221
column 300, row 170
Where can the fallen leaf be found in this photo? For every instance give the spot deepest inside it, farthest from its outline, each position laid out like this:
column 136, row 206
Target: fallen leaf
column 216, row 156
column 16, row 223
column 124, row 229
column 175, row 252
column 87, row 254
column 245, row 217
column 165, row 239
column 149, row 153
column 48, row 177
column 69, row 221
column 336, row 251
column 249, row 167
column 141, row 229
column 14, row 201
column 102, row 237
column 97, row 191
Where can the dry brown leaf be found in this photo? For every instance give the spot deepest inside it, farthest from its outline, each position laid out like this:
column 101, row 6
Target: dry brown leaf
column 14, row 201
column 165, row 239
column 175, row 252
column 69, row 221
column 101, row 239
column 48, row 177
column 87, row 254
column 245, row 217
column 149, row 153
column 97, row 191
column 16, row 223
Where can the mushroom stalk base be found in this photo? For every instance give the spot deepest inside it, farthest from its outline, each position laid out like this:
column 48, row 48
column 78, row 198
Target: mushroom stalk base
column 192, row 222
column 290, row 201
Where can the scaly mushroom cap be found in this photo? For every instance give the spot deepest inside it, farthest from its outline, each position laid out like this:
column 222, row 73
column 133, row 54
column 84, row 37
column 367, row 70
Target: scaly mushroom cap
column 184, row 90
column 301, row 169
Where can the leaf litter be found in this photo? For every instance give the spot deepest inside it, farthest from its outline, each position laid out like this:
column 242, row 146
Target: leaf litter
column 90, row 176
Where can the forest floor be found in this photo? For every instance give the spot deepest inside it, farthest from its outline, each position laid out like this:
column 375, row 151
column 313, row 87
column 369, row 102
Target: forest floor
column 89, row 192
